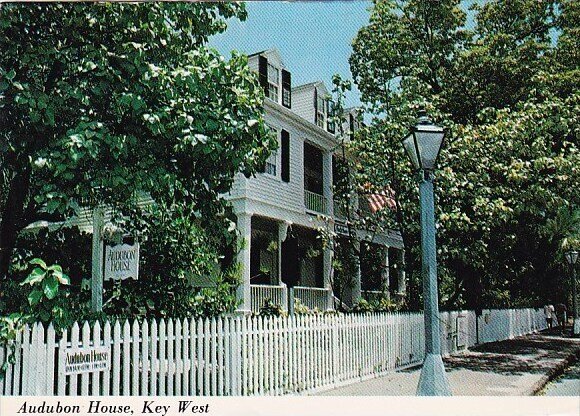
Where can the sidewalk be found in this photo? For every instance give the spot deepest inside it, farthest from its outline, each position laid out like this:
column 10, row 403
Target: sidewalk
column 516, row 367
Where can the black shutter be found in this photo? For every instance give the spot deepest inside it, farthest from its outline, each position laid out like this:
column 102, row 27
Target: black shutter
column 263, row 73
column 286, row 89
column 315, row 103
column 285, row 172
column 330, row 125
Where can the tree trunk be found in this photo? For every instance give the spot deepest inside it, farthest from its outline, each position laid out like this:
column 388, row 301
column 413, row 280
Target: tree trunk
column 11, row 221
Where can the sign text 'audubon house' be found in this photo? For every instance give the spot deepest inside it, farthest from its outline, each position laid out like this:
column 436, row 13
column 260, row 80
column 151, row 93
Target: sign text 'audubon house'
column 122, row 262
column 86, row 360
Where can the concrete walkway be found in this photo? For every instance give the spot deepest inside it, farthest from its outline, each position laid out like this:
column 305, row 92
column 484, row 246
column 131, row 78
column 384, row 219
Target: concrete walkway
column 518, row 367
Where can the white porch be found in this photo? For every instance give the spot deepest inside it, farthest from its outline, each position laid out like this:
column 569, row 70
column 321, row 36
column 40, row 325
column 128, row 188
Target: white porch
column 282, row 262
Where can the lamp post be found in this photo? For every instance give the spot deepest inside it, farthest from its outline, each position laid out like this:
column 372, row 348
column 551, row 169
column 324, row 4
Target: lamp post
column 571, row 258
column 423, row 146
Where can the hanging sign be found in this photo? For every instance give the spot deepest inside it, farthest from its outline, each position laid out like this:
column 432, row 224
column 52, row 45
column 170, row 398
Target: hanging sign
column 86, row 360
column 340, row 228
column 122, row 262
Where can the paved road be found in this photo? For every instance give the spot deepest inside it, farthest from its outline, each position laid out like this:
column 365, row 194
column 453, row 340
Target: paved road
column 568, row 384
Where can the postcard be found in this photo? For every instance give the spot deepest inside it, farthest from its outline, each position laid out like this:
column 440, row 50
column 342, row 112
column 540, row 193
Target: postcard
column 300, row 207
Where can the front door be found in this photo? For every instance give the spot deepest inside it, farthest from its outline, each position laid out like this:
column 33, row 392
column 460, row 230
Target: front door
column 290, row 262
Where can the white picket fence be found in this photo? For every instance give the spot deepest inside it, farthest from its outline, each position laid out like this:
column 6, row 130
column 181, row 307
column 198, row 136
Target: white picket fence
column 241, row 355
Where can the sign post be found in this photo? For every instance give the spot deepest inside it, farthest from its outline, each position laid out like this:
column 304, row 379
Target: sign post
column 97, row 259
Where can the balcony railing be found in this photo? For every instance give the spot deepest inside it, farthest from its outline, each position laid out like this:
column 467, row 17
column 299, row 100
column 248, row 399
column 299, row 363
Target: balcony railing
column 315, row 202
column 261, row 293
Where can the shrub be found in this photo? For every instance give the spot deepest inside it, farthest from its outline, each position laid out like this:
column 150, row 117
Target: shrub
column 271, row 309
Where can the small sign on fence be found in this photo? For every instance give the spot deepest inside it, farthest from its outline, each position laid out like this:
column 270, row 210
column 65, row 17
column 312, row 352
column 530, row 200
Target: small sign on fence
column 86, row 360
column 122, row 262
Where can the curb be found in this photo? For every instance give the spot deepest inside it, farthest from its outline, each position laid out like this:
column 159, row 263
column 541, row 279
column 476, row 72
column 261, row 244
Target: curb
column 554, row 372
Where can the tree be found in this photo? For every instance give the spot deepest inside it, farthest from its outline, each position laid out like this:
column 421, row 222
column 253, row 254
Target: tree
column 508, row 93
column 102, row 103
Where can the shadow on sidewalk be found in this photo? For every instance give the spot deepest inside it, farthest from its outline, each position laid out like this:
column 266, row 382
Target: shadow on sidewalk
column 531, row 354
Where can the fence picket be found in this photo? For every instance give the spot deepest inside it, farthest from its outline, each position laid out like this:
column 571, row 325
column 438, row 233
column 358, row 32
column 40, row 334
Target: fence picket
column 206, row 357
column 135, row 359
column 170, row 360
column 220, row 358
column 178, row 358
column 162, row 357
column 86, row 344
column 95, row 376
column 145, row 362
column 74, row 340
column 199, row 359
column 153, row 360
column 107, row 373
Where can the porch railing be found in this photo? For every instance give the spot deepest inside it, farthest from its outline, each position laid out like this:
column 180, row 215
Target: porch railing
column 314, row 297
column 261, row 293
column 315, row 202
column 372, row 295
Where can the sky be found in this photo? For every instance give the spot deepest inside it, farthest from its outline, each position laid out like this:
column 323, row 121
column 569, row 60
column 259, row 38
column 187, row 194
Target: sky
column 313, row 38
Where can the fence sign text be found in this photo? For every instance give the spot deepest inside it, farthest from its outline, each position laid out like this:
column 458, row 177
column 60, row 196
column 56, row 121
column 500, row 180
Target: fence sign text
column 122, row 262
column 86, row 360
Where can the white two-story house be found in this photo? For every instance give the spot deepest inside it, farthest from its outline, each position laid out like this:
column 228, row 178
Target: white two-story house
column 280, row 209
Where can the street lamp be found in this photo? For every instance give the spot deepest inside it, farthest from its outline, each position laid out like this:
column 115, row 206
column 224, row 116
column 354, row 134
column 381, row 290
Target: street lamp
column 571, row 258
column 423, row 146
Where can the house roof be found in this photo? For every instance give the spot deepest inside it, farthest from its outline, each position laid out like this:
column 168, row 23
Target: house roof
column 311, row 85
column 270, row 53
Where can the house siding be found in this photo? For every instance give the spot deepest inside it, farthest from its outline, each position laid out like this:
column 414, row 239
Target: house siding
column 303, row 103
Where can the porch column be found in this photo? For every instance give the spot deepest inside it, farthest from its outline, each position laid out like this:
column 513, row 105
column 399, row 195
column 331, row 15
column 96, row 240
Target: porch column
column 355, row 290
column 327, row 256
column 282, row 235
column 244, row 225
column 402, row 283
column 385, row 274
column 327, row 182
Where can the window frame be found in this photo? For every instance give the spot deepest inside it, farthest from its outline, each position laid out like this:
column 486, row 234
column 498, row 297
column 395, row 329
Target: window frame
column 273, row 87
column 321, row 111
column 275, row 154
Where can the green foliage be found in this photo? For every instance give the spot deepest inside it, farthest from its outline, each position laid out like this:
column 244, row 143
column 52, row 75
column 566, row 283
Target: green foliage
column 47, row 293
column 378, row 305
column 508, row 91
column 269, row 308
column 10, row 327
column 177, row 251
column 302, row 309
column 102, row 103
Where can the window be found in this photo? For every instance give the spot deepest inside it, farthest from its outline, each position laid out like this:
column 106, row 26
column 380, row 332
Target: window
column 330, row 124
column 272, row 161
column 320, row 104
column 273, row 82
column 286, row 97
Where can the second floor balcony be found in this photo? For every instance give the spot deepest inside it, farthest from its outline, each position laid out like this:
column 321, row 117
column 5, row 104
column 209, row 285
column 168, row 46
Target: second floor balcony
column 315, row 202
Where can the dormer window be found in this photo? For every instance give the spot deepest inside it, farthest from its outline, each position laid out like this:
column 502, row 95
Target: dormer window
column 273, row 82
column 320, row 113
